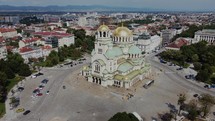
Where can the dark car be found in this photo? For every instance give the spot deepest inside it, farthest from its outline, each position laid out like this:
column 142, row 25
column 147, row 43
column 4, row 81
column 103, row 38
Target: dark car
column 44, row 81
column 20, row 89
column 36, row 91
column 26, row 112
column 179, row 68
column 195, row 95
column 207, row 86
column 64, row 87
column 163, row 61
column 214, row 113
column 39, row 74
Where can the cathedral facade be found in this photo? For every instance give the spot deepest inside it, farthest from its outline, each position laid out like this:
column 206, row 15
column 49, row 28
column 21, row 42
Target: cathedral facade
column 116, row 60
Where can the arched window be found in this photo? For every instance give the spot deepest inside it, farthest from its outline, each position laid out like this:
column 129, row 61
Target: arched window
column 104, row 34
column 100, row 34
column 97, row 67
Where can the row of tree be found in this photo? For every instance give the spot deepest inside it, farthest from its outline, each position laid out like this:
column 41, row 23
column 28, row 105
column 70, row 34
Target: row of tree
column 9, row 68
column 200, row 54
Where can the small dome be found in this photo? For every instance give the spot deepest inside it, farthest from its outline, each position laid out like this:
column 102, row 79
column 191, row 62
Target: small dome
column 114, row 52
column 103, row 28
column 122, row 32
column 134, row 50
column 124, row 67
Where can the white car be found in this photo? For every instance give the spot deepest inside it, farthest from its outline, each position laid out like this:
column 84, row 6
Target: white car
column 33, row 76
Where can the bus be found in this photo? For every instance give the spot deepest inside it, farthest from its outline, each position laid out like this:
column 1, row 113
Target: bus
column 148, row 84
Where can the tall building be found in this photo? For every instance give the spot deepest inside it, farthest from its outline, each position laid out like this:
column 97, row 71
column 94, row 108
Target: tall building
column 116, row 61
column 167, row 35
column 148, row 43
column 206, row 35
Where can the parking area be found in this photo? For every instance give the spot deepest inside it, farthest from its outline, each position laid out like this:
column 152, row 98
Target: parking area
column 81, row 100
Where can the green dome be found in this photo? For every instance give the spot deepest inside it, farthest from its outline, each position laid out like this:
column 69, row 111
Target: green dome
column 134, row 50
column 114, row 52
column 124, row 67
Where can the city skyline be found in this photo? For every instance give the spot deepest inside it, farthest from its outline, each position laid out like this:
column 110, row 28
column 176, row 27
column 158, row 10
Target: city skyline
column 185, row 5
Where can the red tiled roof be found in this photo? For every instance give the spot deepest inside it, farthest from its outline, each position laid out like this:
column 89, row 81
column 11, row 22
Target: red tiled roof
column 47, row 47
column 178, row 43
column 30, row 40
column 10, row 48
column 57, row 34
column 2, row 40
column 4, row 30
column 25, row 49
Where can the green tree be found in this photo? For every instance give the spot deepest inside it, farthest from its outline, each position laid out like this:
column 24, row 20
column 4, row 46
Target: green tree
column 14, row 61
column 123, row 117
column 195, row 58
column 52, row 59
column 197, row 65
column 192, row 110
column 206, row 101
column 3, row 90
column 203, row 75
column 166, row 117
column 24, row 70
column 181, row 100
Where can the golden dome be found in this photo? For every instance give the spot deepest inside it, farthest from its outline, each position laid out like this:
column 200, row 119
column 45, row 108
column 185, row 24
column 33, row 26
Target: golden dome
column 103, row 28
column 122, row 32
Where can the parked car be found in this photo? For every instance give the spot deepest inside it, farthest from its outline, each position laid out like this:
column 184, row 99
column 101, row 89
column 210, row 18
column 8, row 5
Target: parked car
column 179, row 68
column 20, row 89
column 40, row 94
column 33, row 76
column 64, row 87
column 47, row 92
column 213, row 86
column 195, row 95
column 41, row 87
column 26, row 112
column 44, row 81
column 207, row 86
column 39, row 74
column 163, row 61
column 36, row 91
column 19, row 110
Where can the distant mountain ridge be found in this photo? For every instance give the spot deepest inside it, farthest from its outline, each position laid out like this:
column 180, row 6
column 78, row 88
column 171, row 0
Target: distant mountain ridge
column 71, row 8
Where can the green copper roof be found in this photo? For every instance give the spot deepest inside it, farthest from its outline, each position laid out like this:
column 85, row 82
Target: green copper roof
column 127, row 77
column 134, row 50
column 124, row 67
column 114, row 52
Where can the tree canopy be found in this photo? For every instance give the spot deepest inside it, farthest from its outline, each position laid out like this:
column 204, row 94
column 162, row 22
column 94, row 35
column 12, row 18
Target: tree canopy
column 123, row 116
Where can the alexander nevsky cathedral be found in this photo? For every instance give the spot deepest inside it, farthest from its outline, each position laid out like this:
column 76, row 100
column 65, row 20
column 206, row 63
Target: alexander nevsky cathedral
column 116, row 60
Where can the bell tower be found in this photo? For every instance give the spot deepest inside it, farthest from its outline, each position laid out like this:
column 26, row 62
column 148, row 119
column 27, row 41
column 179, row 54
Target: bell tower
column 103, row 39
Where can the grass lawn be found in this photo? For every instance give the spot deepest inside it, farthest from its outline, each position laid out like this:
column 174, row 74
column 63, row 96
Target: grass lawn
column 13, row 82
column 2, row 109
column 10, row 84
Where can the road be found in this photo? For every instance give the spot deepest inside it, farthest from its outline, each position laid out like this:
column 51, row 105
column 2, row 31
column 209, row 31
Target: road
column 178, row 76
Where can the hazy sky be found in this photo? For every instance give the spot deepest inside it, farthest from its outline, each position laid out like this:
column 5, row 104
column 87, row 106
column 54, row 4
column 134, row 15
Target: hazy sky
column 160, row 4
